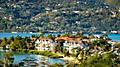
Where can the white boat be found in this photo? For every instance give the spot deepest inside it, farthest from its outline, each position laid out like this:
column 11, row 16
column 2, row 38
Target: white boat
column 13, row 32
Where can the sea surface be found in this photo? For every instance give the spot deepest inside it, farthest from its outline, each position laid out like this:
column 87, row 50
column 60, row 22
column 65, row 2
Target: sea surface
column 114, row 37
column 39, row 58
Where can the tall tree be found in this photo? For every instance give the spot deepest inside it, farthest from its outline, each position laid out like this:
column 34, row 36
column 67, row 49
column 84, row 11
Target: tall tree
column 4, row 43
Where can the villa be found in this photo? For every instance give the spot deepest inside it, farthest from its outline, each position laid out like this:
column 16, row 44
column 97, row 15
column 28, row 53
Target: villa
column 44, row 44
column 70, row 43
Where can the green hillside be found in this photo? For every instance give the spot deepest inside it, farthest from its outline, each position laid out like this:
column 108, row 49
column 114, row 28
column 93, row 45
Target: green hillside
column 59, row 15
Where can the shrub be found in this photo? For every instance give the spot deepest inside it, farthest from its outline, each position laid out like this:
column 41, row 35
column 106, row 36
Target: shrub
column 44, row 53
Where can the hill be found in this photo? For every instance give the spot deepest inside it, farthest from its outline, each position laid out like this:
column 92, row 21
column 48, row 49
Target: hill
column 59, row 15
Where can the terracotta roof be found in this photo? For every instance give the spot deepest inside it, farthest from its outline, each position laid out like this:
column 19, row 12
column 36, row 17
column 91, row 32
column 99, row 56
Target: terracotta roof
column 62, row 38
column 68, row 39
column 45, row 39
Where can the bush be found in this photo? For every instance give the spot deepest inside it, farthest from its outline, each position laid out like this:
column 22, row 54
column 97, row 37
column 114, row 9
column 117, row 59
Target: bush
column 56, row 65
column 54, row 56
column 44, row 53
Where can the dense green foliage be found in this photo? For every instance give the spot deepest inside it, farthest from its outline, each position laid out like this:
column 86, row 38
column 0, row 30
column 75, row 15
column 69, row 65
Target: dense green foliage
column 17, row 43
column 7, row 60
column 56, row 65
column 106, row 60
column 44, row 53
column 59, row 15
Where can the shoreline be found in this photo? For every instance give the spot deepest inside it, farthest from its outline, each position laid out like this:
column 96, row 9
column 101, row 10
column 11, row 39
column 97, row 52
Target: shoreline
column 114, row 37
column 70, row 59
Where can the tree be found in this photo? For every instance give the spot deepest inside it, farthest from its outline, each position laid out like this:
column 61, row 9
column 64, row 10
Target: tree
column 75, row 52
column 18, row 43
column 82, row 56
column 105, row 60
column 113, row 2
column 90, row 34
column 4, row 43
column 33, row 36
column 57, row 48
column 29, row 44
column 41, row 35
column 104, row 36
column 79, row 35
column 12, row 38
column 51, row 36
column 67, row 35
column 66, row 53
column 8, row 59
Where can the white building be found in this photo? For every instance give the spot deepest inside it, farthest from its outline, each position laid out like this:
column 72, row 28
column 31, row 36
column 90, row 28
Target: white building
column 70, row 43
column 44, row 44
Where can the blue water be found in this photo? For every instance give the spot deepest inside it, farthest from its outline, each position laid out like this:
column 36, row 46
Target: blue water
column 20, row 57
column 40, row 58
column 114, row 37
column 8, row 35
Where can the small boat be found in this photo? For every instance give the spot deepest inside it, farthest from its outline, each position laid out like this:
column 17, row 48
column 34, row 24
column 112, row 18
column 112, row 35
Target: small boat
column 13, row 32
column 29, row 59
column 29, row 62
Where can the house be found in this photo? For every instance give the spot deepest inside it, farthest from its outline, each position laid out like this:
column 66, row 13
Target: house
column 44, row 44
column 70, row 43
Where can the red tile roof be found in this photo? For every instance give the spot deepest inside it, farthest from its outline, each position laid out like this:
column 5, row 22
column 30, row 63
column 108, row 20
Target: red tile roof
column 68, row 39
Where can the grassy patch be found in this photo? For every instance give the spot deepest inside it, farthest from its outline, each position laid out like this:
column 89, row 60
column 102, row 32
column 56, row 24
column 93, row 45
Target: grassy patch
column 44, row 53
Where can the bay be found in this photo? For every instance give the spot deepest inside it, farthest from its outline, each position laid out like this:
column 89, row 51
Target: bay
column 39, row 58
column 114, row 37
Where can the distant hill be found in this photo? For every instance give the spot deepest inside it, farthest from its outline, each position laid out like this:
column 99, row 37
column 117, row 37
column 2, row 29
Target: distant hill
column 113, row 2
column 59, row 15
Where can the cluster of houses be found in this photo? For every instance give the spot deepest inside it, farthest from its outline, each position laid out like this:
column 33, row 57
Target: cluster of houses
column 69, row 43
column 66, row 42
